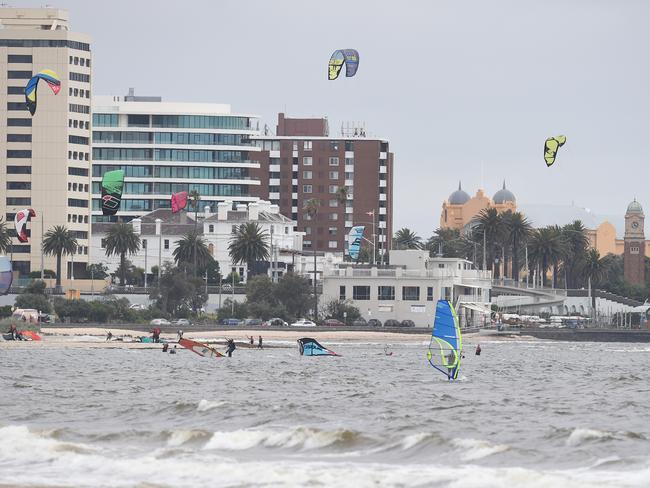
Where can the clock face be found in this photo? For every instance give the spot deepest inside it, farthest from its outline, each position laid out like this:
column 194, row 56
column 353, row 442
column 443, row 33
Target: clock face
column 635, row 224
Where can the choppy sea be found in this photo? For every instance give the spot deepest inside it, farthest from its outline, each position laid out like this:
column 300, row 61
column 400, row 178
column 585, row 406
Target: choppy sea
column 524, row 413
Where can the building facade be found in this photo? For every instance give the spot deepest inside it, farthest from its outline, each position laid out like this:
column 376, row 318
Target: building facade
column 410, row 287
column 167, row 147
column 351, row 176
column 634, row 244
column 46, row 157
column 459, row 209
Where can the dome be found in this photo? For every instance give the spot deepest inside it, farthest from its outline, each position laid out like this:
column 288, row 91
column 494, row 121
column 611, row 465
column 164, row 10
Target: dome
column 459, row 197
column 504, row 195
column 634, row 207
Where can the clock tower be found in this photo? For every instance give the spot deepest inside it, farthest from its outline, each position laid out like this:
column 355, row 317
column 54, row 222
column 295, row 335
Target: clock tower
column 634, row 239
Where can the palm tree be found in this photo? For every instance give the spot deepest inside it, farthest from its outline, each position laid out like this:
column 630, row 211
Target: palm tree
column 59, row 241
column 122, row 240
column 5, row 238
column 519, row 231
column 311, row 207
column 407, row 239
column 594, row 268
column 489, row 227
column 545, row 246
column 186, row 248
column 248, row 244
column 195, row 200
column 576, row 243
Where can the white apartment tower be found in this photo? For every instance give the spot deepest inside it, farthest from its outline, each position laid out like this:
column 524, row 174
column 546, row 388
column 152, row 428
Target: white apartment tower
column 169, row 147
column 46, row 157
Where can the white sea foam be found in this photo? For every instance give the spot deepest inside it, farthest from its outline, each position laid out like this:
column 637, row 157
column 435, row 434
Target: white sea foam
column 410, row 441
column 580, row 436
column 180, row 437
column 205, row 405
column 300, row 438
column 473, row 449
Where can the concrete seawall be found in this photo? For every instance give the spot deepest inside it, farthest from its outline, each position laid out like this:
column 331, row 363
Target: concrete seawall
column 590, row 335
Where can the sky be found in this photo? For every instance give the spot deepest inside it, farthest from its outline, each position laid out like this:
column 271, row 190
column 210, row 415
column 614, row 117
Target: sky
column 465, row 90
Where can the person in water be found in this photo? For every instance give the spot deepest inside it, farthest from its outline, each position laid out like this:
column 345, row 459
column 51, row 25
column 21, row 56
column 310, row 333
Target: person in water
column 165, row 347
column 172, row 351
column 478, row 350
column 259, row 343
column 230, row 347
column 109, row 335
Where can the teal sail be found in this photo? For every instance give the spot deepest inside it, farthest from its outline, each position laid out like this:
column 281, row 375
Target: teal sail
column 446, row 343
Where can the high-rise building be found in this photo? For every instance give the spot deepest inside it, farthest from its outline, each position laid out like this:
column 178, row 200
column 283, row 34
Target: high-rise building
column 351, row 176
column 46, row 156
column 168, row 147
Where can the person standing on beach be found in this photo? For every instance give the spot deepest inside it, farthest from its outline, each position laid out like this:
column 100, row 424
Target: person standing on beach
column 259, row 343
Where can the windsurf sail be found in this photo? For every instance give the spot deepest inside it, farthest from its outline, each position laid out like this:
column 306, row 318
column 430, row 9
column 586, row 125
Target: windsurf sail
column 446, row 343
column 311, row 347
column 354, row 241
column 200, row 348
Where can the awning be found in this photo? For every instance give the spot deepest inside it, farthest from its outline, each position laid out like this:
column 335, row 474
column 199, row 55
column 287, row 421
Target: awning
column 476, row 307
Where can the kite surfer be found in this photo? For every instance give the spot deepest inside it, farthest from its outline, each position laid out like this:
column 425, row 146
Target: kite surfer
column 165, row 347
column 387, row 352
column 478, row 350
column 259, row 343
column 172, row 351
column 109, row 335
column 230, row 347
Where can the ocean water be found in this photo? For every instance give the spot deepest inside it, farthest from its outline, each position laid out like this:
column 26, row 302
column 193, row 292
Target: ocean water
column 524, row 413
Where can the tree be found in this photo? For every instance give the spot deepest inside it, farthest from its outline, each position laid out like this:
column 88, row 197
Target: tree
column 232, row 309
column 262, row 299
column 249, row 245
column 5, row 238
column 292, row 291
column 519, row 231
column 195, row 201
column 488, row 227
column 406, row 239
column 178, row 293
column 450, row 244
column 34, row 297
column 184, row 254
column 98, row 271
column 59, row 241
column 342, row 310
column 594, row 268
column 545, row 246
column 121, row 239
column 576, row 243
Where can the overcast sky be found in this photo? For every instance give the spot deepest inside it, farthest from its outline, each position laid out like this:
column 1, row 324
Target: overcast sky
column 454, row 85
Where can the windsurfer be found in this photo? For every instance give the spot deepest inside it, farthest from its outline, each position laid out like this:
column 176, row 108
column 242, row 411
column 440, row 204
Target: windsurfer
column 230, row 347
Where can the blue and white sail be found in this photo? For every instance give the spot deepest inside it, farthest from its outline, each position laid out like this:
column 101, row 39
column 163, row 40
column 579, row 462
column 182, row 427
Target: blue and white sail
column 311, row 347
column 446, row 344
column 354, row 241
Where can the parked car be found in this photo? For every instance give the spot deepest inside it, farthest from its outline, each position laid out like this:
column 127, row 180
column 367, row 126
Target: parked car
column 303, row 323
column 181, row 323
column 138, row 306
column 333, row 323
column 392, row 323
column 276, row 322
column 374, row 323
column 253, row 322
column 160, row 322
column 230, row 322
column 360, row 322
column 407, row 323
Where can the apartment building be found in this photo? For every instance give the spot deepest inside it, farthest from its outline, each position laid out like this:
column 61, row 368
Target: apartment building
column 303, row 162
column 46, row 157
column 167, row 147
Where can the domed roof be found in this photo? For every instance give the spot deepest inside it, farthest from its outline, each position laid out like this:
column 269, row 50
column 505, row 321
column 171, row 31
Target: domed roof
column 635, row 207
column 504, row 195
column 459, row 197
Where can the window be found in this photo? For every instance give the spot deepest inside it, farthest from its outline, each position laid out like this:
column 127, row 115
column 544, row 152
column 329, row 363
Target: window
column 144, row 244
column 446, row 293
column 23, row 153
column 342, row 292
column 19, row 185
column 385, row 293
column 306, row 244
column 334, row 161
column 16, row 90
column 77, row 171
column 211, row 228
column 19, row 75
column 334, row 203
column 333, row 188
column 306, row 188
column 411, row 293
column 306, row 145
column 334, row 175
column 19, row 201
column 334, row 216
column 19, row 138
column 429, row 293
column 16, row 106
column 349, row 161
column 19, row 58
column 73, row 202
column 105, row 120
column 334, row 145
column 361, row 292
column 166, row 244
column 307, row 161
column 19, row 170
column 81, row 46
column 349, row 146
column 78, row 140
column 79, row 77
column 332, row 244
column 80, row 109
column 138, row 120
column 19, row 122
column 306, row 175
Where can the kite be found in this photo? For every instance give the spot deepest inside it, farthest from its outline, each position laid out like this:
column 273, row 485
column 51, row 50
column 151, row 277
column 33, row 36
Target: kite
column 179, row 201
column 348, row 56
column 47, row 75
column 20, row 221
column 112, row 184
column 6, row 275
column 354, row 241
column 551, row 146
column 310, row 347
